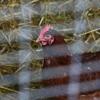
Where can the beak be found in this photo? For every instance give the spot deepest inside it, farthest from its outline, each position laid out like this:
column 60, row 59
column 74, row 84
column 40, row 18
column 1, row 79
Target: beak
column 38, row 40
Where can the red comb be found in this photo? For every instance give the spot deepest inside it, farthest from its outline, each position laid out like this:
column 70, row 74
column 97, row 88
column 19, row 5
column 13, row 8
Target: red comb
column 45, row 39
column 45, row 29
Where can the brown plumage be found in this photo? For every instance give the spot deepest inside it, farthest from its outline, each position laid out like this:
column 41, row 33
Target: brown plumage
column 57, row 55
column 56, row 61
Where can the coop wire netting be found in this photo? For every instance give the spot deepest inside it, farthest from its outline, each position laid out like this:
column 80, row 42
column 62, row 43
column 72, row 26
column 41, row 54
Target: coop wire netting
column 21, row 58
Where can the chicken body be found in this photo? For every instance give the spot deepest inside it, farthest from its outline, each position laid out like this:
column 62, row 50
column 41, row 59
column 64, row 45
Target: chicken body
column 57, row 55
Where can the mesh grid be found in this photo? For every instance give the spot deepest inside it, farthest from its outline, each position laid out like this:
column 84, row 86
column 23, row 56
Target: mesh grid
column 22, row 61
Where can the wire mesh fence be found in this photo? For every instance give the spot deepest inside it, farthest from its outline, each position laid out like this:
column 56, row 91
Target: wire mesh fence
column 66, row 70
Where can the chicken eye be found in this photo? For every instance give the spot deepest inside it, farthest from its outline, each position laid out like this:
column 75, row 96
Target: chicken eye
column 48, row 36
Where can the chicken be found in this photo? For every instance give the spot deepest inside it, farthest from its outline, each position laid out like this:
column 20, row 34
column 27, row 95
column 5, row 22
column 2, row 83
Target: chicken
column 54, row 48
column 57, row 55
